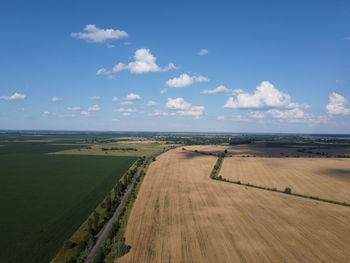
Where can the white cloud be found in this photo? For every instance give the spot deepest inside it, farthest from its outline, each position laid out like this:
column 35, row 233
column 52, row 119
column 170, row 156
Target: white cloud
column 115, row 99
column 128, row 102
column 256, row 114
column 74, row 108
column 265, row 96
column 151, row 103
column 21, row 109
column 295, row 113
column 185, row 80
column 55, row 99
column 195, row 111
column 337, row 105
column 132, row 96
column 115, row 119
column 98, row 35
column 217, row 90
column 46, row 113
column 126, row 114
column 125, row 110
column 221, row 118
column 144, row 62
column 95, row 97
column 184, row 108
column 162, row 113
column 94, row 108
column 177, row 104
column 203, row 52
column 14, row 96
column 163, row 91
column 86, row 113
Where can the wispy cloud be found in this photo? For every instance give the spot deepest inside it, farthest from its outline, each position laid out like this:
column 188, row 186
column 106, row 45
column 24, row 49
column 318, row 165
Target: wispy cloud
column 55, row 99
column 94, row 108
column 14, row 96
column 203, row 52
column 98, row 35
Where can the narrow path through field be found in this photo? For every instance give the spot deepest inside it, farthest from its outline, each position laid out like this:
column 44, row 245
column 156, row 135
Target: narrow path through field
column 109, row 224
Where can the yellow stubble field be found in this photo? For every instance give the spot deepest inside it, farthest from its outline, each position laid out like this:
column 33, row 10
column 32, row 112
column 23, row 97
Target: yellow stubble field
column 181, row 215
column 327, row 178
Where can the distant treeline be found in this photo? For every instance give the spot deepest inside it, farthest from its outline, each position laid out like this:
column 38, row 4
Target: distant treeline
column 118, row 149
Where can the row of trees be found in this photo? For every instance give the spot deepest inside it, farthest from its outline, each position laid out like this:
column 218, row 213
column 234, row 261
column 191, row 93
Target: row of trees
column 100, row 216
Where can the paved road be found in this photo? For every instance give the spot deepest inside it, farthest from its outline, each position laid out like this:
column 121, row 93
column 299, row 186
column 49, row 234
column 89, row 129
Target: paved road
column 109, row 224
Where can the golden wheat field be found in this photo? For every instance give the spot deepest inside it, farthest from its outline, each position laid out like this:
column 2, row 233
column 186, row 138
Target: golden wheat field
column 181, row 215
column 327, row 178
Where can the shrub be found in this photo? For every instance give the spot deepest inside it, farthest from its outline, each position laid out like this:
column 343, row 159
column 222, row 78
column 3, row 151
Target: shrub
column 122, row 248
column 287, row 190
column 69, row 244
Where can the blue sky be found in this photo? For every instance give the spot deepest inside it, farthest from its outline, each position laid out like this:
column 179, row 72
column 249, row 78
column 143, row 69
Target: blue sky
column 229, row 66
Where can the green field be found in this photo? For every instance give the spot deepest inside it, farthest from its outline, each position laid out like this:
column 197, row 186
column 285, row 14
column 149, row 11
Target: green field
column 44, row 197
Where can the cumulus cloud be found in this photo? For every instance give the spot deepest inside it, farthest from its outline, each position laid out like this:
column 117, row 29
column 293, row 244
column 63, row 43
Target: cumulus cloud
column 95, row 97
column 115, row 99
column 98, row 35
column 220, row 118
column 184, row 108
column 55, row 99
column 132, row 96
column 185, row 80
column 203, row 52
column 74, row 108
column 47, row 113
column 337, row 105
column 144, row 62
column 265, row 96
column 94, row 108
column 151, row 103
column 126, row 114
column 86, row 113
column 14, row 96
column 177, row 104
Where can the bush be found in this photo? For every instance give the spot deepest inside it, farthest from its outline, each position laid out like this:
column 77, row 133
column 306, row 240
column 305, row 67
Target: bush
column 287, row 190
column 69, row 244
column 122, row 248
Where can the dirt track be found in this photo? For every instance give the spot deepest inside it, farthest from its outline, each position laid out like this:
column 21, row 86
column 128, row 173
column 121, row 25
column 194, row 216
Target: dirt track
column 181, row 215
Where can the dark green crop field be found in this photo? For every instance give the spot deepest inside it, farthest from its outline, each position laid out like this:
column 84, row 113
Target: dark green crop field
column 44, row 198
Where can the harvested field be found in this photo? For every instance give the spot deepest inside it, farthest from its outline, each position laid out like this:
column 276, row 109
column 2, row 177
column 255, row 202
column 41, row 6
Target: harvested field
column 321, row 177
column 181, row 215
column 261, row 151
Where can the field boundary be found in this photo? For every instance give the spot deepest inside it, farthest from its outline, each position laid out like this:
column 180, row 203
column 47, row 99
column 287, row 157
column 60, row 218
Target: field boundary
column 215, row 176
